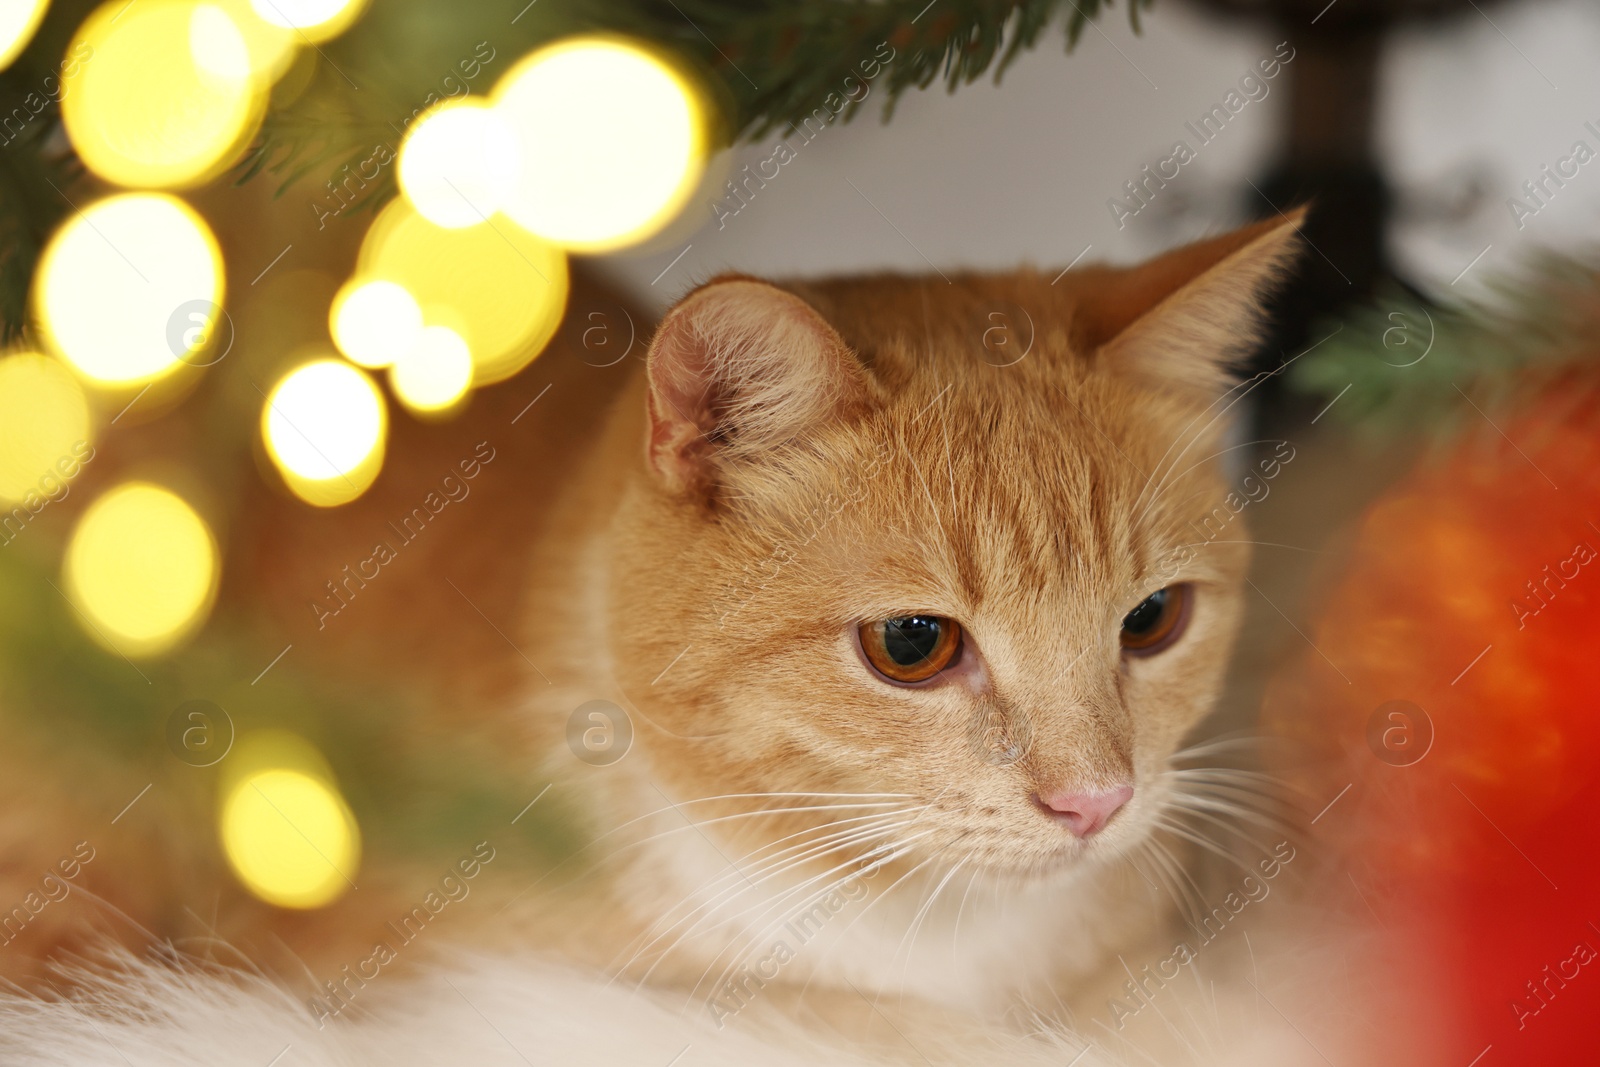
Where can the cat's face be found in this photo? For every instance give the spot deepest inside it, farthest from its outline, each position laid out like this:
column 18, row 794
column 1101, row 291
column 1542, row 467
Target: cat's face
column 955, row 606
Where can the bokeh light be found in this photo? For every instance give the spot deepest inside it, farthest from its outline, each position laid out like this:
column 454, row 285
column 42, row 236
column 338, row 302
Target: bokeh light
column 316, row 20
column 112, row 279
column 373, row 321
column 44, row 420
column 458, row 162
column 611, row 140
column 324, row 425
column 142, row 568
column 169, row 98
column 286, row 830
column 435, row 373
column 18, row 21
column 502, row 289
column 270, row 49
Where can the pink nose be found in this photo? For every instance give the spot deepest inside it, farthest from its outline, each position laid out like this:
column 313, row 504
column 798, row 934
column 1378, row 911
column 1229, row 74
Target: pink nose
column 1085, row 813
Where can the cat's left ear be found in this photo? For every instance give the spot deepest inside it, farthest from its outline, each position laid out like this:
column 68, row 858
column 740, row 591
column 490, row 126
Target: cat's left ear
column 737, row 369
column 1185, row 318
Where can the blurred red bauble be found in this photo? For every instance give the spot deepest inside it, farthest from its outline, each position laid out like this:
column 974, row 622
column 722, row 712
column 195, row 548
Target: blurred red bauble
column 1455, row 689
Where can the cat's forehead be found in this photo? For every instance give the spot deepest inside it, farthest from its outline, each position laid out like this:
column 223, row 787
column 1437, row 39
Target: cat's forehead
column 911, row 329
column 996, row 495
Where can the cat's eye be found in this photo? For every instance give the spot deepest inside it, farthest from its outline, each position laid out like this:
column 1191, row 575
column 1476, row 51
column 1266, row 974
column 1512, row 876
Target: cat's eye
column 1157, row 621
column 911, row 648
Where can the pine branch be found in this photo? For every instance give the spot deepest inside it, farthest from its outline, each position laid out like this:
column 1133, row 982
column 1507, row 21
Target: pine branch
column 32, row 203
column 771, row 64
column 37, row 168
column 780, row 61
column 1399, row 367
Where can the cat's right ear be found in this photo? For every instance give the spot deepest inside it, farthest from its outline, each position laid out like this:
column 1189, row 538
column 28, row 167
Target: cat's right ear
column 737, row 369
column 1184, row 319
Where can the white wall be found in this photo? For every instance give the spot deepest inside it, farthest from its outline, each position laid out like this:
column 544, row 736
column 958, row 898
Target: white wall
column 1022, row 171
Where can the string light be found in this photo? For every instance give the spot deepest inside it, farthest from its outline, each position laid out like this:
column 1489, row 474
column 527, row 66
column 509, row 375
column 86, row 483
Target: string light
column 324, row 426
column 435, row 373
column 270, row 48
column 611, row 141
column 142, row 568
column 169, row 98
column 112, row 279
column 318, row 20
column 457, row 163
column 18, row 21
column 502, row 289
column 44, row 420
column 287, row 832
column 373, row 321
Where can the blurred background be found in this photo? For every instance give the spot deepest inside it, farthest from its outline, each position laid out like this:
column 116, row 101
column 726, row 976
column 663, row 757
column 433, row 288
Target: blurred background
column 298, row 295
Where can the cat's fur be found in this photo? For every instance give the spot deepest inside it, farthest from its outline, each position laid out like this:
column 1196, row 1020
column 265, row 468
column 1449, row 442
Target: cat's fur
column 791, row 462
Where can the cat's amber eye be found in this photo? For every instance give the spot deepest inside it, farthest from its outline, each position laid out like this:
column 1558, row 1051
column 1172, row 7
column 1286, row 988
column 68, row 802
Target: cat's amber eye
column 911, row 648
column 1157, row 621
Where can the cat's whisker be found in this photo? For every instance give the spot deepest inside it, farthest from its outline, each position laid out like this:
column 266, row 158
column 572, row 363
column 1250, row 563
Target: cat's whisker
column 828, row 845
column 792, row 863
column 921, row 916
column 1187, row 893
column 698, row 825
column 754, row 941
column 1169, row 479
column 1229, row 742
column 897, row 881
column 1247, row 541
column 1243, row 389
column 1242, row 773
column 1187, row 897
column 1195, row 837
column 741, row 882
column 1215, row 808
column 593, row 842
column 1246, row 385
column 738, row 878
column 1261, row 788
column 1263, row 796
column 955, row 935
column 900, row 849
column 676, row 807
column 1157, row 885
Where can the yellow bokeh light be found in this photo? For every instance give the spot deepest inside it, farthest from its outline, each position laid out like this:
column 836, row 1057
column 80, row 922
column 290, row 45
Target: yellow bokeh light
column 290, row 837
column 269, row 49
column 142, row 568
column 457, row 163
column 611, row 141
column 324, row 425
column 44, row 426
column 374, row 321
column 217, row 45
column 502, row 289
column 148, row 110
column 117, row 277
column 18, row 21
column 435, row 373
column 317, row 20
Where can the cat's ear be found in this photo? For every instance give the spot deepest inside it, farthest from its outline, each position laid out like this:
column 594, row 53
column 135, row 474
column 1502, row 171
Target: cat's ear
column 739, row 368
column 1186, row 317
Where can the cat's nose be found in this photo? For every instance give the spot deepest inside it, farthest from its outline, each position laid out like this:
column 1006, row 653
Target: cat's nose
column 1084, row 813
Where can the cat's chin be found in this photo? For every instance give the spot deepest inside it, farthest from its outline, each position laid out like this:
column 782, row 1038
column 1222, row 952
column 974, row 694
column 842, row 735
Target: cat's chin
column 1073, row 863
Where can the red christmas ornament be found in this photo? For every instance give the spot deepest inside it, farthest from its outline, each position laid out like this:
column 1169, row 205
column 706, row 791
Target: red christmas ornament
column 1455, row 689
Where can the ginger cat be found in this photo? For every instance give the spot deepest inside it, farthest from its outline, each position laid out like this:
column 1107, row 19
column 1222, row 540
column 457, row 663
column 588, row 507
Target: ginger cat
column 907, row 642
